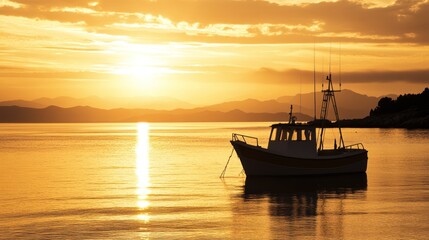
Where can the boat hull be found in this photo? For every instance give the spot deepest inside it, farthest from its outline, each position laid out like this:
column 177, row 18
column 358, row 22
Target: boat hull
column 258, row 161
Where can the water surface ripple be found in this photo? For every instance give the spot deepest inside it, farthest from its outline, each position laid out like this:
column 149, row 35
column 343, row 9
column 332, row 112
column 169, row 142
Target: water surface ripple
column 161, row 181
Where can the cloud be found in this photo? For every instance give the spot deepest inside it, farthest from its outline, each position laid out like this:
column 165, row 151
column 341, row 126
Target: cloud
column 408, row 76
column 246, row 21
column 12, row 73
column 295, row 76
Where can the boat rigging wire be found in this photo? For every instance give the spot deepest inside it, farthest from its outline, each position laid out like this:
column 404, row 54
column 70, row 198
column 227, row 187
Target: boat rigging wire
column 222, row 175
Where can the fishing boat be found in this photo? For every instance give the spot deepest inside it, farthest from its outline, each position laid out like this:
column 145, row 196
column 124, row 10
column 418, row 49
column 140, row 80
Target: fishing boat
column 293, row 148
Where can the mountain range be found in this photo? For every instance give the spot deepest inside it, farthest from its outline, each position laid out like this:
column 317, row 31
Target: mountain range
column 160, row 103
column 350, row 104
column 54, row 114
column 156, row 109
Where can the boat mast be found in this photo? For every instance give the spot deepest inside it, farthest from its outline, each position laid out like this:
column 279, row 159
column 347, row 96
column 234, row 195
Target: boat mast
column 329, row 96
column 314, row 80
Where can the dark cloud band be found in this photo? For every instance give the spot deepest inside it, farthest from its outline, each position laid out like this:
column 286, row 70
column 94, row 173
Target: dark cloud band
column 404, row 21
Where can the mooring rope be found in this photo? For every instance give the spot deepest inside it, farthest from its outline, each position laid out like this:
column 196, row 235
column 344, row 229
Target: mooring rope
column 222, row 175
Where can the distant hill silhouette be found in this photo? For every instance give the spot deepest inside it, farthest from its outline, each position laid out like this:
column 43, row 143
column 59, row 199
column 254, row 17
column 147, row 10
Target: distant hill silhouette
column 22, row 103
column 250, row 106
column 351, row 104
column 159, row 103
column 58, row 114
column 67, row 102
column 53, row 114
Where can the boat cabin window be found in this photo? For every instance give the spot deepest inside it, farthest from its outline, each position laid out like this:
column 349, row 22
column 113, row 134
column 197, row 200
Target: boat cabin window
column 273, row 134
column 284, row 135
column 288, row 134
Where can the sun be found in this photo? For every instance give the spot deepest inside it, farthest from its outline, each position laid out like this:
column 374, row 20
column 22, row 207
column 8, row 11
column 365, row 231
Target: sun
column 140, row 73
column 140, row 68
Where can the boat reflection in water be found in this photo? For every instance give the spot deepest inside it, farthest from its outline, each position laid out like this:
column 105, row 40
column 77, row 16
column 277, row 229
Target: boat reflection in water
column 316, row 206
column 341, row 184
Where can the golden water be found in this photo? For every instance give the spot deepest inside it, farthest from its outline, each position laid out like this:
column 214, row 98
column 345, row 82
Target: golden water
column 160, row 181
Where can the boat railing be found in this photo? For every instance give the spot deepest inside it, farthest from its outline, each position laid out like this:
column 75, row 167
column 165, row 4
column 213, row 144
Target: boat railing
column 355, row 146
column 244, row 138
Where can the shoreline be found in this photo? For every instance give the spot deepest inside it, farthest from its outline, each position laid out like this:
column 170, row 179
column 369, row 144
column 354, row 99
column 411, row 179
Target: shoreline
column 347, row 123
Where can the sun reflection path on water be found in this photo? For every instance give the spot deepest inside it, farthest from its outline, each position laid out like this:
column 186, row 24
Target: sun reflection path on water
column 142, row 170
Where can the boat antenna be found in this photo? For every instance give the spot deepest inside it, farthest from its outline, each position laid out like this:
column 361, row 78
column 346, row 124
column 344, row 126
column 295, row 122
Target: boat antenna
column 339, row 56
column 300, row 94
column 330, row 56
column 314, row 79
column 323, row 70
column 290, row 114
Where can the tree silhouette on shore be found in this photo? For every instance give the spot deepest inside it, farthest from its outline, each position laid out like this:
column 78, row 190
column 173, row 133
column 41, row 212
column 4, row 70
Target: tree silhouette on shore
column 418, row 102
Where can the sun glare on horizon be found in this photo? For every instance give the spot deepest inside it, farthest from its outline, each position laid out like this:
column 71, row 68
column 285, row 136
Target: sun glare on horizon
column 140, row 75
column 140, row 67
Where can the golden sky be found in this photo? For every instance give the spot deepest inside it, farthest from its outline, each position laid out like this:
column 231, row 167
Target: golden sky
column 207, row 51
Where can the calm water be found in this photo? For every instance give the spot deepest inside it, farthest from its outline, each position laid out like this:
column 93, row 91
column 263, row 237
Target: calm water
column 160, row 181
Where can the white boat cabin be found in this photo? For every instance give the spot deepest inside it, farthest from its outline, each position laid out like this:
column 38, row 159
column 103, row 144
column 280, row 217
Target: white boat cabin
column 294, row 140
